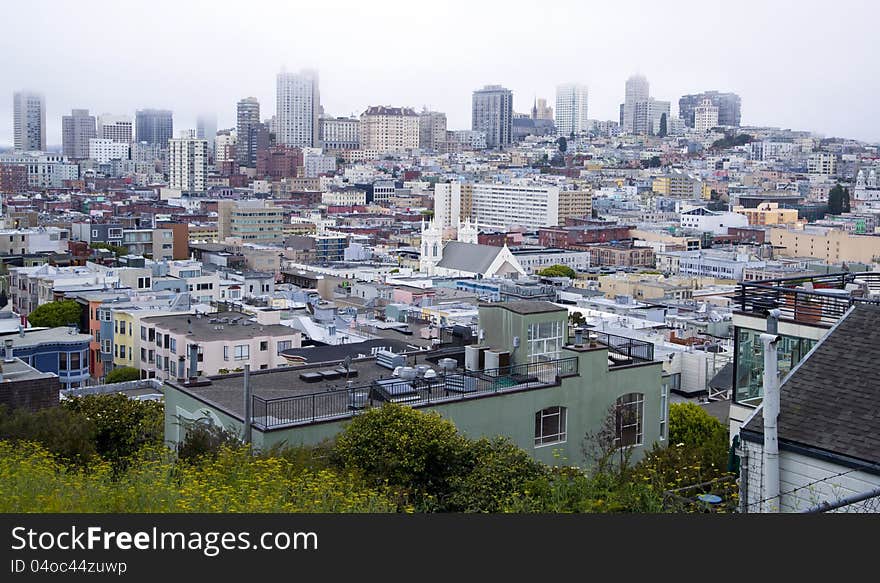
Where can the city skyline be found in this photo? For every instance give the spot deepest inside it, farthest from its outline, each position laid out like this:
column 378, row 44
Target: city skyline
column 780, row 82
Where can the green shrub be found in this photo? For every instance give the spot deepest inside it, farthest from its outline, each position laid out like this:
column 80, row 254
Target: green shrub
column 54, row 314
column 205, row 440
column 66, row 434
column 122, row 374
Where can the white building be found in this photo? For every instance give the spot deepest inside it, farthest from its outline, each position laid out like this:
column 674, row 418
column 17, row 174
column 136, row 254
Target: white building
column 117, row 128
column 824, row 163
column 648, row 116
column 224, row 146
column 317, row 164
column 44, row 170
column 188, row 164
column 707, row 263
column 340, row 133
column 500, row 206
column 471, row 139
column 103, row 150
column 432, row 131
column 447, row 203
column 298, row 107
column 571, row 109
column 29, row 121
column 637, row 90
column 705, row 116
column 347, row 197
column 717, row 222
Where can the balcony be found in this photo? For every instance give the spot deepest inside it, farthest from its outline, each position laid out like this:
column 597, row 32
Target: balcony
column 819, row 300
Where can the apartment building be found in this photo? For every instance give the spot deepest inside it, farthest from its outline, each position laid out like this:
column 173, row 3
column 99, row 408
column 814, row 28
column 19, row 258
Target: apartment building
column 768, row 213
column 250, row 221
column 828, row 244
column 502, row 205
column 389, row 129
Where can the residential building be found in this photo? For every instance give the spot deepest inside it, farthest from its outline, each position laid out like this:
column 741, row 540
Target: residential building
column 44, row 170
column 728, row 104
column 447, row 204
column 571, row 109
column 707, row 263
column 278, row 162
column 117, row 128
column 649, row 116
column 248, row 116
column 315, row 165
column 716, row 222
column 105, row 149
column 822, row 163
column 547, row 395
column 389, row 129
column 24, row 387
column 34, row 240
column 502, row 205
column 534, row 260
column 705, row 116
column 298, row 105
column 340, row 133
column 225, row 146
column 154, row 126
column 188, row 164
column 61, row 351
column 768, row 213
column 575, row 203
column 206, row 129
column 677, row 184
column 831, row 245
column 28, row 121
column 823, row 456
column 492, row 114
column 432, row 131
column 467, row 139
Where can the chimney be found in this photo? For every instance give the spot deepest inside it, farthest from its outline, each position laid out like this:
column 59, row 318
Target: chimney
column 770, row 414
column 8, row 345
column 193, row 362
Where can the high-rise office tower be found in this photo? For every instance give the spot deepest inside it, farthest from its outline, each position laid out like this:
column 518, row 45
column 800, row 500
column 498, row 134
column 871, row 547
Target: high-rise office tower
column 298, row 106
column 154, row 126
column 188, row 163
column 571, row 109
column 637, row 89
column 492, row 113
column 729, row 107
column 115, row 127
column 29, row 121
column 648, row 117
column 76, row 130
column 247, row 116
column 206, row 129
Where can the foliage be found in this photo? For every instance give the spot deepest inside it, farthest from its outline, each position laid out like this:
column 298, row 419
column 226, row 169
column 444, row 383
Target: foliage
column 497, row 471
column 663, row 126
column 838, row 200
column 558, row 271
column 562, row 143
column 731, row 140
column 691, row 425
column 63, row 433
column 568, row 490
column 54, row 314
column 652, row 162
column 117, row 250
column 577, row 319
column 205, row 440
column 122, row 425
column 406, row 449
column 122, row 374
column 234, row 481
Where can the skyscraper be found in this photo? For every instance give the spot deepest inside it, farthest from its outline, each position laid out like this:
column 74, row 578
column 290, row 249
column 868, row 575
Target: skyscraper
column 115, row 127
column 492, row 113
column 29, row 121
column 188, row 163
column 648, row 116
column 206, row 129
column 297, row 109
column 571, row 109
column 154, row 126
column 76, row 130
column 728, row 104
column 637, row 89
column 247, row 116
column 705, row 116
column 432, row 130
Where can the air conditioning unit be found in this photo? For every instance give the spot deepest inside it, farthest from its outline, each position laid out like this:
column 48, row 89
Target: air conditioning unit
column 475, row 357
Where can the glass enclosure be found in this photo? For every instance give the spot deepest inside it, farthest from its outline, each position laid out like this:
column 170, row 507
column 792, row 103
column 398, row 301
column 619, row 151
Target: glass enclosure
column 750, row 362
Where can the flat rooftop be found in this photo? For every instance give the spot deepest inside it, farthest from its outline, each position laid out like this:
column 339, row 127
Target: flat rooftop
column 526, row 307
column 204, row 328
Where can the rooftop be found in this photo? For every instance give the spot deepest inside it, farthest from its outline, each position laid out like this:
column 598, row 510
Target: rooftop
column 526, row 307
column 233, row 326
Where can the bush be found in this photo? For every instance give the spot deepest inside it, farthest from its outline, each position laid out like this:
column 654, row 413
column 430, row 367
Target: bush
column 406, row 449
column 692, row 426
column 558, row 271
column 205, row 440
column 570, row 490
column 65, row 434
column 122, row 374
column 54, row 314
column 122, row 425
column 496, row 472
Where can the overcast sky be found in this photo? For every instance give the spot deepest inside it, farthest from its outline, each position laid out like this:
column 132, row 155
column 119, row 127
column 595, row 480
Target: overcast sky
column 796, row 64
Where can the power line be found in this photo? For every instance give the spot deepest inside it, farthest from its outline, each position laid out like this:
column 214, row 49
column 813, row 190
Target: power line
column 781, row 494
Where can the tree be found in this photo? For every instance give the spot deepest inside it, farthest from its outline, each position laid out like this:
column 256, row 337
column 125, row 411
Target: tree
column 563, row 144
column 117, row 250
column 122, row 374
column 838, row 200
column 663, row 130
column 56, row 314
column 577, row 319
column 558, row 271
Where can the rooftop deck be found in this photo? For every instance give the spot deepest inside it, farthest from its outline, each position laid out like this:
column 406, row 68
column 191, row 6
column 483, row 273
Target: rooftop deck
column 819, row 300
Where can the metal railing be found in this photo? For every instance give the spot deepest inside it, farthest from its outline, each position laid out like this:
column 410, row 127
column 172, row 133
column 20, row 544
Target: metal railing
column 823, row 305
column 457, row 386
column 629, row 350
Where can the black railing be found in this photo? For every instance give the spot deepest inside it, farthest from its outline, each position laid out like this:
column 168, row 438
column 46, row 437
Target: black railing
column 623, row 350
column 420, row 391
column 818, row 301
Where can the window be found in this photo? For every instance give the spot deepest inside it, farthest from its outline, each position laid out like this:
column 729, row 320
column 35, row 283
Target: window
column 225, row 353
column 284, row 345
column 144, row 283
column 74, row 361
column 545, row 341
column 664, row 408
column 106, row 346
column 550, row 426
column 264, row 345
column 628, row 413
column 242, row 351
column 173, row 342
column 143, row 333
column 62, row 361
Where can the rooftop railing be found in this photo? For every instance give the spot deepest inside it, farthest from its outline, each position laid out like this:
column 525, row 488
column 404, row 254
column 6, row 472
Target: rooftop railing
column 420, row 391
column 819, row 300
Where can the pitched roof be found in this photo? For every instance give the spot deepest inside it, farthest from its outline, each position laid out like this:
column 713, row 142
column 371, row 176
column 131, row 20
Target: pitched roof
column 468, row 257
column 832, row 400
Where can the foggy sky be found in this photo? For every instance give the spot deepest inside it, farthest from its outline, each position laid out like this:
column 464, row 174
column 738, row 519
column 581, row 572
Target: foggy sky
column 803, row 65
